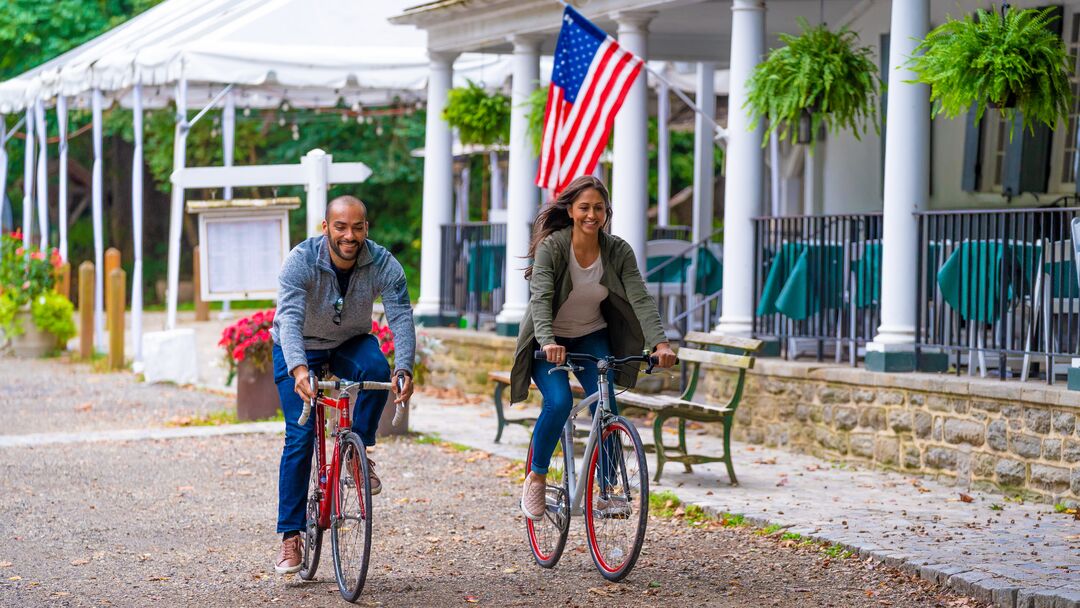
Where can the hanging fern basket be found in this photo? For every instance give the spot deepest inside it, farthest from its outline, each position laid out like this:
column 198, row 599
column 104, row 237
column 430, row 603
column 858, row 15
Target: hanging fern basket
column 1012, row 61
column 480, row 117
column 819, row 78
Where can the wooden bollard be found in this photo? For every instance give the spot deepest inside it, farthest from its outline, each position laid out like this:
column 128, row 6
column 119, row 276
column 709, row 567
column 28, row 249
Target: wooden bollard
column 63, row 280
column 86, row 309
column 116, row 288
column 202, row 309
column 112, row 262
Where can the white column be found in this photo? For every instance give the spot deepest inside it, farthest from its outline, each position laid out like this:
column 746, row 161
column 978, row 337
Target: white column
column 42, row 175
column 137, row 226
column 438, row 184
column 744, row 189
column 228, row 137
column 630, row 162
column 96, row 211
column 3, row 170
column 907, row 181
column 62, row 147
column 775, row 173
column 523, row 197
column 704, row 152
column 28, row 179
column 663, row 155
column 176, row 209
column 497, row 201
column 317, row 164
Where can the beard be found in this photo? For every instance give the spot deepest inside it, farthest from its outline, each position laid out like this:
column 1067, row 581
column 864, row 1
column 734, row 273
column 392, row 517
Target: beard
column 336, row 246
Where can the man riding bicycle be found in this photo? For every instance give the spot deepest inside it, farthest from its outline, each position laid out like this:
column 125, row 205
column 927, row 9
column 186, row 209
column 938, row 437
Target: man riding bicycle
column 328, row 286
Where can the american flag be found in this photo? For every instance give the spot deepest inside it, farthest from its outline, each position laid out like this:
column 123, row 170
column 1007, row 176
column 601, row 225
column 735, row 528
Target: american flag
column 591, row 77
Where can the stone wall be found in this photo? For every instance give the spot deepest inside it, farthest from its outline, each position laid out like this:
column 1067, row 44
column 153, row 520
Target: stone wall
column 975, row 432
column 983, row 433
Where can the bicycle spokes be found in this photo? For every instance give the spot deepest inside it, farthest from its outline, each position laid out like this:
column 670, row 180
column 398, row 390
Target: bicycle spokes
column 616, row 499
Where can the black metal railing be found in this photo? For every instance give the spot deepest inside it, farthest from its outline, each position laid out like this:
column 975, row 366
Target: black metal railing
column 681, row 233
column 473, row 272
column 686, row 279
column 998, row 290
column 817, row 282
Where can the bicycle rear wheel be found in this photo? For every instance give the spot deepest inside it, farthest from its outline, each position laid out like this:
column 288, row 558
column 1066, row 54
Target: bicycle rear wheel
column 350, row 528
column 312, row 532
column 547, row 536
column 616, row 499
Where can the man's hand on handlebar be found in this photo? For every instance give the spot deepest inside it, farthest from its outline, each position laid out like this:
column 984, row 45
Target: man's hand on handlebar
column 663, row 355
column 555, row 354
column 302, row 383
column 403, row 393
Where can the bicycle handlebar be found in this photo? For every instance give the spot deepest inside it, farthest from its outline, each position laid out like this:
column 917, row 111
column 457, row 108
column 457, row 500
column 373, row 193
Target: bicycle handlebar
column 344, row 385
column 651, row 360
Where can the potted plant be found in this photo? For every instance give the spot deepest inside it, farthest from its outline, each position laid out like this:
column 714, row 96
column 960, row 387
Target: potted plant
column 249, row 358
column 1012, row 61
column 34, row 319
column 480, row 117
column 819, row 77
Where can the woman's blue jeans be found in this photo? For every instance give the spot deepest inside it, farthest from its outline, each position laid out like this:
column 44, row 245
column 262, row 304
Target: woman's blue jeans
column 558, row 400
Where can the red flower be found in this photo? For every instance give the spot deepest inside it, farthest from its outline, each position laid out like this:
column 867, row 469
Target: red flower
column 17, row 235
column 37, row 255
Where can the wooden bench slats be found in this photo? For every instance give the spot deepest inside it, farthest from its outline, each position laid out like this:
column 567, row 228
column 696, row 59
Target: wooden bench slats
column 663, row 402
column 502, row 377
column 696, row 355
column 698, row 337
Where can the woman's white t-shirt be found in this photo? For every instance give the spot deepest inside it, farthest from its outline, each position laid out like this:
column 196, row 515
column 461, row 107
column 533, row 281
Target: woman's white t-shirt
column 580, row 314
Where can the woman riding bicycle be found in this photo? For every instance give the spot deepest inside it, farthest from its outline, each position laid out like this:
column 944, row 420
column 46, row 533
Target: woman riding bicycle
column 587, row 296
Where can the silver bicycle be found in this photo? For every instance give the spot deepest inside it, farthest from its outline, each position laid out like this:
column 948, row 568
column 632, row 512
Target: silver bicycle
column 611, row 490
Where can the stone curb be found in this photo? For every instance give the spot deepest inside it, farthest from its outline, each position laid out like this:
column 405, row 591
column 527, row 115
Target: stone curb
column 38, row 439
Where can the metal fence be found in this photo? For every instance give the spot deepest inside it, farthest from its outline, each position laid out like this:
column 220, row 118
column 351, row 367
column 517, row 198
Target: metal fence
column 685, row 279
column 998, row 291
column 817, row 283
column 473, row 271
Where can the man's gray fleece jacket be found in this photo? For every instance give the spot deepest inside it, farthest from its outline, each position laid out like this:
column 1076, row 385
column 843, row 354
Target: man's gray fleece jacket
column 309, row 287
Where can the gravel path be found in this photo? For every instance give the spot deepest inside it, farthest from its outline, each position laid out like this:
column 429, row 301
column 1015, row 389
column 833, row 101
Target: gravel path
column 191, row 522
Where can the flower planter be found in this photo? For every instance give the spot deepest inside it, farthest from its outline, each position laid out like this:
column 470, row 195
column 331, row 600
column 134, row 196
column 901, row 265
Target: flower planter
column 386, row 426
column 256, row 393
column 33, row 342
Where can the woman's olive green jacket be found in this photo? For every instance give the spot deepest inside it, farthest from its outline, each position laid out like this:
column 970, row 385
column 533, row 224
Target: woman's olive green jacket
column 632, row 318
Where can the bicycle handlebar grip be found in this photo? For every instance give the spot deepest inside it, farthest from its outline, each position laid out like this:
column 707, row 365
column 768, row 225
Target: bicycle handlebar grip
column 305, row 414
column 400, row 411
column 540, row 355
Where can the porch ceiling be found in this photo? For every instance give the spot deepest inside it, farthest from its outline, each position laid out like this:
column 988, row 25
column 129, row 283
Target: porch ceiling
column 687, row 30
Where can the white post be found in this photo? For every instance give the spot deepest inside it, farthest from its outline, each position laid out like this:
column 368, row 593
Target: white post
column 630, row 163
column 176, row 209
column 62, row 147
column 3, row 168
column 704, row 152
column 907, row 188
column 775, row 173
column 137, row 225
column 497, row 201
column 228, row 142
column 663, row 155
column 744, row 189
column 523, row 195
column 438, row 185
column 461, row 205
column 96, row 211
column 42, row 175
column 28, row 179
column 317, row 164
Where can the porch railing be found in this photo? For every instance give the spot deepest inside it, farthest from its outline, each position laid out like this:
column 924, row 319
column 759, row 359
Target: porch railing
column 473, row 271
column 817, row 283
column 998, row 290
column 685, row 279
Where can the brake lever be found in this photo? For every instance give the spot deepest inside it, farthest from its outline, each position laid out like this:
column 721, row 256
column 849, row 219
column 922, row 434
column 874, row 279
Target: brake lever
column 566, row 367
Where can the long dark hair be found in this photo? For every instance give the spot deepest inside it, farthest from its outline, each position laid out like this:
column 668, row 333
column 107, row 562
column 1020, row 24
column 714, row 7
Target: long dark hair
column 556, row 214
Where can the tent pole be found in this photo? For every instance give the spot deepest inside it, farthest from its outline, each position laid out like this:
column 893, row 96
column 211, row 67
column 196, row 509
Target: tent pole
column 42, row 175
column 96, row 203
column 62, row 124
column 176, row 211
column 137, row 226
column 28, row 179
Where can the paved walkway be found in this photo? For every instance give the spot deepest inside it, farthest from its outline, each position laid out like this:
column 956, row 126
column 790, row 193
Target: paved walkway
column 1010, row 554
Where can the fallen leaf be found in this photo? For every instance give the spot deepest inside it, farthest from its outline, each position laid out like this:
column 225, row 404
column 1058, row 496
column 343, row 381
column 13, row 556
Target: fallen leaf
column 472, row 599
column 966, row 498
column 783, row 482
column 432, row 539
column 5, row 564
column 510, row 570
column 15, row 578
column 244, row 473
column 84, row 407
column 598, row 590
column 79, row 562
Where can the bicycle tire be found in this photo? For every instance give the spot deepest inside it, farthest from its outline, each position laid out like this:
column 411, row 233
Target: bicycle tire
column 313, row 534
column 354, row 466
column 615, row 563
column 551, row 531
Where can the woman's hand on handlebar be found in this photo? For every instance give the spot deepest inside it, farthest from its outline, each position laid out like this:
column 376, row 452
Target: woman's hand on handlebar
column 555, row 354
column 663, row 355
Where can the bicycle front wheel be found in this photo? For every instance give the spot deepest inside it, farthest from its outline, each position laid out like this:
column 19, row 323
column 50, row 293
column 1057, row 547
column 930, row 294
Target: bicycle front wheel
column 616, row 499
column 547, row 535
column 350, row 526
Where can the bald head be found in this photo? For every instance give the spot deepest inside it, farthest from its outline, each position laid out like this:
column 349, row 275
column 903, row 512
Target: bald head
column 343, row 202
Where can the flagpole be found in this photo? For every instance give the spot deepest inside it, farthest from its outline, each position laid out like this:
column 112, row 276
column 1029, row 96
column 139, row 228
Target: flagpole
column 721, row 132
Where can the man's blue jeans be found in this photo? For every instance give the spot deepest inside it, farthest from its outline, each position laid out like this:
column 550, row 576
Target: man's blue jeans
column 558, row 399
column 358, row 359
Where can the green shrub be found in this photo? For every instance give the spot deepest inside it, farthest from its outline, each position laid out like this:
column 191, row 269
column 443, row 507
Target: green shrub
column 54, row 313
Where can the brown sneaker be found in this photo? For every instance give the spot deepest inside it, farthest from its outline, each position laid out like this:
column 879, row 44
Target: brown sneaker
column 533, row 498
column 376, row 485
column 290, row 556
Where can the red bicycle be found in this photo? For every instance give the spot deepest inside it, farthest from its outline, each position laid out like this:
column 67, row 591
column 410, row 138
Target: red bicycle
column 339, row 491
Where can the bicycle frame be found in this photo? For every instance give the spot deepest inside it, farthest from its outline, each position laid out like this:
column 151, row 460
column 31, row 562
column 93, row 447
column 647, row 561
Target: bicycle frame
column 330, row 472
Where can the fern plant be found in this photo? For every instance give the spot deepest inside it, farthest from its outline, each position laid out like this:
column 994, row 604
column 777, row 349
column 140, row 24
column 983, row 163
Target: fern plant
column 1013, row 61
column 536, row 106
column 820, row 71
column 480, row 117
